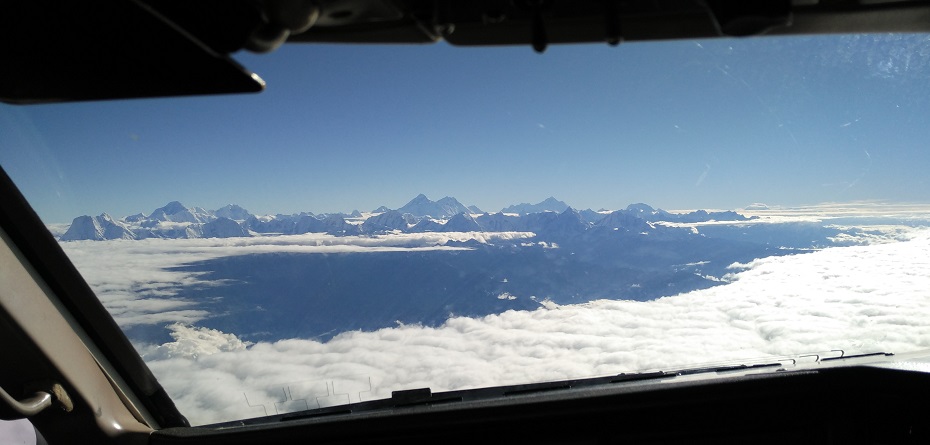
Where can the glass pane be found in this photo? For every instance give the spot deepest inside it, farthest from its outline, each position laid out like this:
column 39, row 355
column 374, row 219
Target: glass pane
column 358, row 227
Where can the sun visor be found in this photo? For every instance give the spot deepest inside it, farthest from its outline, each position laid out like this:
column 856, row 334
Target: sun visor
column 106, row 49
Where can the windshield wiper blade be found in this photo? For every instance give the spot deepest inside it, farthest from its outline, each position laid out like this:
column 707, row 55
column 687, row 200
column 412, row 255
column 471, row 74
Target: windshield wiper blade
column 871, row 354
column 640, row 376
column 729, row 368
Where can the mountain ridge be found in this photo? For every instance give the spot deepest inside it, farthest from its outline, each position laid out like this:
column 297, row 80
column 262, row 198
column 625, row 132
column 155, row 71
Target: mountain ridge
column 174, row 220
column 549, row 204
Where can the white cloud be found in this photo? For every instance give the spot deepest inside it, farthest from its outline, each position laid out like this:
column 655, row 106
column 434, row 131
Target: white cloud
column 860, row 299
column 132, row 278
column 192, row 342
column 864, row 222
column 859, row 209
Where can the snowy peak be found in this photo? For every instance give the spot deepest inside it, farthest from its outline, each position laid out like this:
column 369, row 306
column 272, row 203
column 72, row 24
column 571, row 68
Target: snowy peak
column 385, row 222
column 83, row 228
column 97, row 228
column 171, row 208
column 337, row 225
column 463, row 222
column 172, row 220
column 640, row 209
column 223, row 228
column 653, row 215
column 174, row 211
column 135, row 218
column 624, row 220
column 423, row 206
column 233, row 212
column 499, row 222
column 421, row 214
column 566, row 223
column 550, row 204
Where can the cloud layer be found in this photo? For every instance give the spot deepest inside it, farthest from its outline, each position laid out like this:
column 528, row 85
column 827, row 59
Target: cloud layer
column 134, row 280
column 860, row 299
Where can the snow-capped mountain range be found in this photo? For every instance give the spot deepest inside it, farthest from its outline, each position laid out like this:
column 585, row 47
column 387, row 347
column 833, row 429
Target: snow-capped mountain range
column 549, row 204
column 571, row 257
column 174, row 220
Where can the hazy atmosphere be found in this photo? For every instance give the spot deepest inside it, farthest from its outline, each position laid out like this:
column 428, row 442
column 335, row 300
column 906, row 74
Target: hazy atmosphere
column 680, row 125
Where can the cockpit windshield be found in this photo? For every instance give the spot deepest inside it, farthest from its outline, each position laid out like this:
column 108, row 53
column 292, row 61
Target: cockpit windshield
column 387, row 218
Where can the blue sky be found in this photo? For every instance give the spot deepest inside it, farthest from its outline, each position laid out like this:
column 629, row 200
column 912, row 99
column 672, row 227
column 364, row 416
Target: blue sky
column 691, row 124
